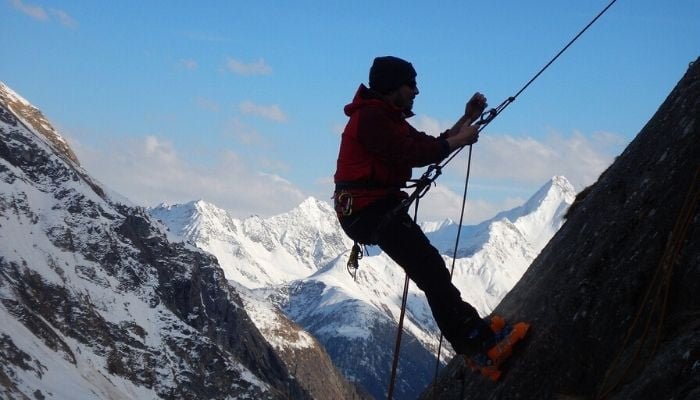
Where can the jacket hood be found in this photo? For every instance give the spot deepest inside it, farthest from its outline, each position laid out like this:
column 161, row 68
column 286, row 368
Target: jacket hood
column 368, row 97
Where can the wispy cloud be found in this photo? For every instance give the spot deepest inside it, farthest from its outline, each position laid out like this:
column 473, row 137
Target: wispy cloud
column 241, row 68
column 272, row 112
column 527, row 160
column 188, row 64
column 518, row 166
column 429, row 125
column 39, row 13
column 443, row 203
column 244, row 133
column 581, row 158
column 149, row 171
column 207, row 104
column 205, row 37
column 65, row 19
column 36, row 12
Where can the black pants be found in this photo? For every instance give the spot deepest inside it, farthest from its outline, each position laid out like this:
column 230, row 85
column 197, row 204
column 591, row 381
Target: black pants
column 403, row 240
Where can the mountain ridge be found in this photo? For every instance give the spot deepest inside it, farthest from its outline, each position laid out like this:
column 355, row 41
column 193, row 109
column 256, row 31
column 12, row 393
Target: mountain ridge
column 96, row 301
column 359, row 317
column 295, row 259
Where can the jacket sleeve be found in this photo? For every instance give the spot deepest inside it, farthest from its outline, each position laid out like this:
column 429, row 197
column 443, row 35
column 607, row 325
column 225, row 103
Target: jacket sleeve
column 397, row 141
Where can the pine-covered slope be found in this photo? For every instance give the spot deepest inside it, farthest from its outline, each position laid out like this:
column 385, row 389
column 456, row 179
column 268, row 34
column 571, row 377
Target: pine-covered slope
column 613, row 297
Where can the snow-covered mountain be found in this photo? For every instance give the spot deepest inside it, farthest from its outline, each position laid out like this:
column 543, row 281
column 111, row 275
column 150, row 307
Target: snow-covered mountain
column 97, row 303
column 298, row 261
column 258, row 252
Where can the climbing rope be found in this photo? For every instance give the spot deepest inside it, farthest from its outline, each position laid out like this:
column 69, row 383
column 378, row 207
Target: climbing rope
column 454, row 259
column 423, row 184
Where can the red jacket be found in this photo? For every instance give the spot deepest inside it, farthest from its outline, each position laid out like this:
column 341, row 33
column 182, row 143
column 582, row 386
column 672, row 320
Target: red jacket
column 379, row 148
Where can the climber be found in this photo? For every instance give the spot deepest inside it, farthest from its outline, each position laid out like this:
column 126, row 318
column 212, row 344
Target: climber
column 378, row 150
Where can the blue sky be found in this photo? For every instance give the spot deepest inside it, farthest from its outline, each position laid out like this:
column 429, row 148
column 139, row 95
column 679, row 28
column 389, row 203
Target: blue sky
column 240, row 102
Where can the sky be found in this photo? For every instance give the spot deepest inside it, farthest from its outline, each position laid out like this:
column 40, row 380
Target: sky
column 240, row 103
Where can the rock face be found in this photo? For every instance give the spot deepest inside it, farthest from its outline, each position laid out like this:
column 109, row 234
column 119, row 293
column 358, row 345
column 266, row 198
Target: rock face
column 33, row 117
column 613, row 298
column 304, row 356
column 95, row 302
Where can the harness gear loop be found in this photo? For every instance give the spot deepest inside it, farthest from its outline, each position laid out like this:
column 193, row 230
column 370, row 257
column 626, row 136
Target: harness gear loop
column 342, row 202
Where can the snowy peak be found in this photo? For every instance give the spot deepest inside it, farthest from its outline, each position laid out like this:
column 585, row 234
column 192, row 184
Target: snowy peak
column 542, row 215
column 546, row 199
column 33, row 119
column 534, row 222
column 195, row 219
column 314, row 209
column 258, row 252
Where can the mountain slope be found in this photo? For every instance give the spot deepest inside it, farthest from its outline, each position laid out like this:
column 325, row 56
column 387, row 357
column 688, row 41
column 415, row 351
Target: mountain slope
column 258, row 252
column 303, row 355
column 95, row 302
column 356, row 321
column 613, row 296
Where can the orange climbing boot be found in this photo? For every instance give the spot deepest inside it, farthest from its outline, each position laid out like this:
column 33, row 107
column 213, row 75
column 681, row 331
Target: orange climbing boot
column 489, row 362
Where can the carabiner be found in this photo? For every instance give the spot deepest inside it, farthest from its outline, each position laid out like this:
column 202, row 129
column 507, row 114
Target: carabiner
column 487, row 116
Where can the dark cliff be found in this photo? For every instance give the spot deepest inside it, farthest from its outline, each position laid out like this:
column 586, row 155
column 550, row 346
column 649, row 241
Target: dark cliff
column 613, row 298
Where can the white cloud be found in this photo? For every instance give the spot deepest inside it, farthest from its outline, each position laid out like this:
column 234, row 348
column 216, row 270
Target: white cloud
column 442, row 203
column 188, row 64
column 35, row 12
column 506, row 170
column 528, row 161
column 581, row 158
column 429, row 125
column 40, row 14
column 207, row 104
column 255, row 68
column 244, row 133
column 205, row 36
column 149, row 171
column 65, row 19
column 272, row 112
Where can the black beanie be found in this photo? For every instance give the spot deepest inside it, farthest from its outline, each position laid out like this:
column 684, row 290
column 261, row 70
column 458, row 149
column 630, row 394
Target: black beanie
column 389, row 73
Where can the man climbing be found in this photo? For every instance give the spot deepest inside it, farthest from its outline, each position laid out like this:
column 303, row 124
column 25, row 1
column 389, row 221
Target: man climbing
column 378, row 150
